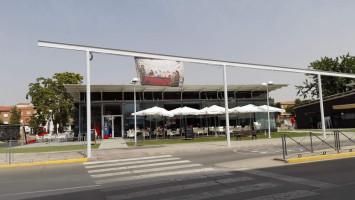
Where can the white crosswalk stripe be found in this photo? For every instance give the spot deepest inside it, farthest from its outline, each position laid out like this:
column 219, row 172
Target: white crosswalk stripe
column 145, row 170
column 127, row 159
column 128, row 163
column 111, row 171
column 132, row 167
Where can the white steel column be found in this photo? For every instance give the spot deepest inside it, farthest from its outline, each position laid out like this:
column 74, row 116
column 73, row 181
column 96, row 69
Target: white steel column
column 226, row 105
column 321, row 105
column 135, row 116
column 268, row 111
column 88, row 105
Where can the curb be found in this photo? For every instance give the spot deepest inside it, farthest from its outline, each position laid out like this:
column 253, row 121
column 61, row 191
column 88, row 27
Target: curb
column 322, row 157
column 44, row 163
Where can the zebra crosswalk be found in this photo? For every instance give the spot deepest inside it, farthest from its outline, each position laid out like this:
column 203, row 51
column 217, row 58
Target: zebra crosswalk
column 168, row 177
column 110, row 171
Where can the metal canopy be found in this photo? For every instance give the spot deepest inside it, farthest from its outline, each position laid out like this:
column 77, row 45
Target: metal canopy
column 90, row 49
column 185, row 59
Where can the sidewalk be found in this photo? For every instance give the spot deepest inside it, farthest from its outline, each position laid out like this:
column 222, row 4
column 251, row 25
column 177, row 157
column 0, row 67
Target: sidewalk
column 117, row 149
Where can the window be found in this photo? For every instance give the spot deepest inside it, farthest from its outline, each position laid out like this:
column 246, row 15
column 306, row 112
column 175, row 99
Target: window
column 28, row 112
column 347, row 116
column 6, row 122
column 21, row 121
column 6, row 115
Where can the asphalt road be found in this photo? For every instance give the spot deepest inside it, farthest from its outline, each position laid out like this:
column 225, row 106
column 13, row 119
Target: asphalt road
column 181, row 176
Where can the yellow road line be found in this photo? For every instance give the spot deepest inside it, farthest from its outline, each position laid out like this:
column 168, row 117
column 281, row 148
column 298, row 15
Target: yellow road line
column 321, row 157
column 45, row 163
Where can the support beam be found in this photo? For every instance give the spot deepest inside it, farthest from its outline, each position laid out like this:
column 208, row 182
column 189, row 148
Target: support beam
column 92, row 49
column 321, row 105
column 226, row 105
column 88, row 105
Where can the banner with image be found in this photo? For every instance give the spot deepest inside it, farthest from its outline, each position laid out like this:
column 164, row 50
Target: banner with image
column 160, row 72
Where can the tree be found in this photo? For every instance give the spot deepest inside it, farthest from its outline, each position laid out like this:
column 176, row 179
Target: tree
column 15, row 116
column 51, row 100
column 1, row 121
column 290, row 109
column 330, row 85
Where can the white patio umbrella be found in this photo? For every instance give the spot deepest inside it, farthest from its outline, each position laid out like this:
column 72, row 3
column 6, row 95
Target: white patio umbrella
column 183, row 111
column 250, row 108
column 271, row 109
column 186, row 111
column 154, row 111
column 213, row 110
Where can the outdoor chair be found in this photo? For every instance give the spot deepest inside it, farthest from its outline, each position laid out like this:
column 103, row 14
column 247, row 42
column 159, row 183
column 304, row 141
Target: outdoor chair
column 257, row 126
column 130, row 134
column 169, row 133
column 199, row 131
column 145, row 133
column 176, row 132
column 205, row 131
column 221, row 129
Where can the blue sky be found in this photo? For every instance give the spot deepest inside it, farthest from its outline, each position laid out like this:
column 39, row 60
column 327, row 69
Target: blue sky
column 285, row 33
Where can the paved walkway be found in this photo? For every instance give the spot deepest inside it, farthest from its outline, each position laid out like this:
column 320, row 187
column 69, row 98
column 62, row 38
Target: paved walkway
column 117, row 149
column 113, row 143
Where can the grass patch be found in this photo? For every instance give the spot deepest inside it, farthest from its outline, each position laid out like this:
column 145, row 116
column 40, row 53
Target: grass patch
column 209, row 139
column 48, row 149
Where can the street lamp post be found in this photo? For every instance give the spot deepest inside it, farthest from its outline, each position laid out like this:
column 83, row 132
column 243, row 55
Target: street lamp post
column 134, row 81
column 49, row 122
column 268, row 110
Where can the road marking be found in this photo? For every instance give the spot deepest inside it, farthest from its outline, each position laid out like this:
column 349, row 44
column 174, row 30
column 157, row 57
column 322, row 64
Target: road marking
column 44, row 163
column 224, row 192
column 129, row 163
column 176, row 188
column 144, row 170
column 126, row 159
column 292, row 179
column 54, row 190
column 143, row 183
column 120, row 179
column 138, row 166
column 287, row 195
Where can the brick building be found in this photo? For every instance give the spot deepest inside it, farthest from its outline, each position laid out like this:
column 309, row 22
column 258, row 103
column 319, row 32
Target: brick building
column 27, row 110
column 285, row 115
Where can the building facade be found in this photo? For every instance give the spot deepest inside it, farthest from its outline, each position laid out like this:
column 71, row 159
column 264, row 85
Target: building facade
column 339, row 112
column 27, row 110
column 115, row 103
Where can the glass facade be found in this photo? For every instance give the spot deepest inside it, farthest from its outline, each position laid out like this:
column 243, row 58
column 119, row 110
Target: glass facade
column 115, row 108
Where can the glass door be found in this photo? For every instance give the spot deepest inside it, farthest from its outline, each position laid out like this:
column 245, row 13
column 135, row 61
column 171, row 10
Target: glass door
column 112, row 126
column 117, row 126
column 107, row 126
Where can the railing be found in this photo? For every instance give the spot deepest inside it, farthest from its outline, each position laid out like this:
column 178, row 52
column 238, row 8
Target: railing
column 313, row 144
column 43, row 149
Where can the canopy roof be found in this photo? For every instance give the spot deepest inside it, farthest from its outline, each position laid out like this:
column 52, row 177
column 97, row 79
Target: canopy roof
column 76, row 89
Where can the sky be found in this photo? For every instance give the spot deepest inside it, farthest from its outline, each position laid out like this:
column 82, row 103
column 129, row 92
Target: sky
column 271, row 32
